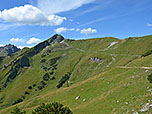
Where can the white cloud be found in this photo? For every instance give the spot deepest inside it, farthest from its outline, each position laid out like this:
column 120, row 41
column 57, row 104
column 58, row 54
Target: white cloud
column 82, row 31
column 33, row 41
column 78, row 23
column 150, row 25
column 1, row 45
column 56, row 6
column 77, row 30
column 17, row 40
column 71, row 20
column 97, row 20
column 6, row 26
column 63, row 29
column 21, row 47
column 60, row 30
column 30, row 15
column 88, row 31
column 72, row 29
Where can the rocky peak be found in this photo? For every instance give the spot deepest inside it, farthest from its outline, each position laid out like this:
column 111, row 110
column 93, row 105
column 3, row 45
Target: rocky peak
column 8, row 49
column 56, row 38
column 39, row 47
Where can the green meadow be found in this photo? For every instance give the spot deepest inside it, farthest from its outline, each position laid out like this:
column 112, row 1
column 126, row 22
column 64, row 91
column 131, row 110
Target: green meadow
column 108, row 75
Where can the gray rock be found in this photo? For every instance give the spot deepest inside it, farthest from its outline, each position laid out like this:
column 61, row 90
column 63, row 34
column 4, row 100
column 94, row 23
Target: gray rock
column 84, row 100
column 56, row 38
column 78, row 97
column 146, row 107
column 8, row 50
column 96, row 59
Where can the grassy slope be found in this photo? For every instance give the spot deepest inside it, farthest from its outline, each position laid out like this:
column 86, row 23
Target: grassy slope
column 106, row 87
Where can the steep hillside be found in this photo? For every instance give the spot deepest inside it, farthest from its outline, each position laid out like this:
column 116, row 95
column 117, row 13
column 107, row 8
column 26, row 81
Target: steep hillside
column 102, row 75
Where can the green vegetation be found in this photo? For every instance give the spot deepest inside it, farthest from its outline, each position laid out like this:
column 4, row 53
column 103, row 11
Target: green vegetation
column 1, row 58
column 53, row 108
column 17, row 101
column 16, row 110
column 46, row 77
column 147, row 53
column 24, row 62
column 150, row 78
column 63, row 80
column 93, row 75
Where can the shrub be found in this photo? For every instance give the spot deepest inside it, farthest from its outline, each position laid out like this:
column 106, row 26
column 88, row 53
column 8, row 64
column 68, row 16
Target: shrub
column 24, row 62
column 34, row 85
column 53, row 108
column 46, row 77
column 23, row 97
column 30, row 87
column 64, row 79
column 150, row 78
column 40, row 87
column 147, row 53
column 44, row 67
column 53, row 61
column 17, row 101
column 16, row 110
column 43, row 83
column 26, row 93
column 51, row 73
column 53, row 78
column 1, row 58
column 43, row 61
column 43, row 55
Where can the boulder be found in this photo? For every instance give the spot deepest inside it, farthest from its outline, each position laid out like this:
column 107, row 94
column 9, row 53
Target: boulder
column 78, row 97
column 84, row 100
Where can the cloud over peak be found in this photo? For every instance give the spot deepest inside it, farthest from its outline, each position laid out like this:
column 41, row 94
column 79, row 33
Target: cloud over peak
column 30, row 15
column 63, row 29
column 82, row 31
column 33, row 41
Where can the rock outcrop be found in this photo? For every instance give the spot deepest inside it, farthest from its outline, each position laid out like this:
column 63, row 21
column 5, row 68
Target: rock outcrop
column 96, row 59
column 36, row 49
column 8, row 50
column 56, row 38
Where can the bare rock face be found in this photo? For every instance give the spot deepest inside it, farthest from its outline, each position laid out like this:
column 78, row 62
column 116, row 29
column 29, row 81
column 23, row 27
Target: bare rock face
column 8, row 50
column 56, row 38
column 39, row 47
column 96, row 59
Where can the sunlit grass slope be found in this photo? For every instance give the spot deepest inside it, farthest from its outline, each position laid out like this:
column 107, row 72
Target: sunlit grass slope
column 108, row 75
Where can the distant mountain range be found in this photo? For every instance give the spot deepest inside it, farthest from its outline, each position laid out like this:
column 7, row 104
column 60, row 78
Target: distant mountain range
column 93, row 76
column 8, row 50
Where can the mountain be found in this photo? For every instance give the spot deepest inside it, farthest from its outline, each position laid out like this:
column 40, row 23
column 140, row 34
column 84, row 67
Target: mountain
column 8, row 50
column 100, row 75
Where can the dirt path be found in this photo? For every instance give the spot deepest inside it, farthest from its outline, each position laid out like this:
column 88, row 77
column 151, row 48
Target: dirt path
column 136, row 67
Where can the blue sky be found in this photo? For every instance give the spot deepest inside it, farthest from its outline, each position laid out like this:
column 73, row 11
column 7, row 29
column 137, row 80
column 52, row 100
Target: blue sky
column 27, row 22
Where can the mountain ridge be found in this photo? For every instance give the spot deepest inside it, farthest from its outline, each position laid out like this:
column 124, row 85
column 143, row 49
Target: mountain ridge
column 103, row 71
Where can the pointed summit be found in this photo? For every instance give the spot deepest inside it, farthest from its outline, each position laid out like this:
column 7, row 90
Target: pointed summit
column 56, row 38
column 39, row 47
column 8, row 50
